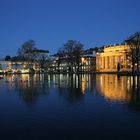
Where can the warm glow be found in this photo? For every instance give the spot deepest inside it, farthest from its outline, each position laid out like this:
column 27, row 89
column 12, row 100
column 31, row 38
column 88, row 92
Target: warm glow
column 109, row 59
column 113, row 88
column 83, row 60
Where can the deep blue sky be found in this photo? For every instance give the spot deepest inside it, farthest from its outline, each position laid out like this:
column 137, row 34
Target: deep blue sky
column 52, row 22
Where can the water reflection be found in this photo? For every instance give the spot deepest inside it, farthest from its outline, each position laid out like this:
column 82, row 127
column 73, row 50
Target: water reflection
column 28, row 87
column 74, row 87
column 69, row 105
column 116, row 88
column 113, row 87
column 134, row 103
column 71, row 87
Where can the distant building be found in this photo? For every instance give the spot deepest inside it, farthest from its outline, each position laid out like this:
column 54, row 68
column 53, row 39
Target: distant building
column 3, row 65
column 88, row 63
column 18, row 67
column 57, row 65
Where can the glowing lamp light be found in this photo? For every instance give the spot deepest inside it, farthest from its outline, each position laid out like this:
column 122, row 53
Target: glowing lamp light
column 83, row 59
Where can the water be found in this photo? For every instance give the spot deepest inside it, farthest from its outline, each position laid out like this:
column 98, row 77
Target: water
column 69, row 107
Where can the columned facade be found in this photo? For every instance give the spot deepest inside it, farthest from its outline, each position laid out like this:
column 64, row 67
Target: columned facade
column 108, row 60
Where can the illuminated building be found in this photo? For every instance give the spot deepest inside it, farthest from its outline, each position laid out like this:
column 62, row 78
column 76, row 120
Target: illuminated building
column 108, row 60
column 88, row 60
column 88, row 63
column 18, row 67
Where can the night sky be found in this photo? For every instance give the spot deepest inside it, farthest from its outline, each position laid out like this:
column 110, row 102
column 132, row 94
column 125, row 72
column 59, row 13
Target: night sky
column 52, row 22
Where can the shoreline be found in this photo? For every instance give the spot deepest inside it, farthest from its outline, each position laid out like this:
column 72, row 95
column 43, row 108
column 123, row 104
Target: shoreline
column 92, row 72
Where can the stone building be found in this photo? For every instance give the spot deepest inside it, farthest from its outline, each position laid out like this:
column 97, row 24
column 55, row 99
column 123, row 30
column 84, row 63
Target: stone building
column 111, row 57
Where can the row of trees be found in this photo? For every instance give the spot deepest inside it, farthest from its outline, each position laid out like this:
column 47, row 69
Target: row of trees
column 71, row 52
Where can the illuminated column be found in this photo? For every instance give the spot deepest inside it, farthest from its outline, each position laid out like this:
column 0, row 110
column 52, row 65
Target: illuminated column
column 113, row 62
column 106, row 62
column 103, row 62
column 100, row 64
column 110, row 63
column 116, row 61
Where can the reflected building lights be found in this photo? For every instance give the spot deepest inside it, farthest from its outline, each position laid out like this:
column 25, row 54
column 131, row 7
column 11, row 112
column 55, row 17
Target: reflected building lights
column 112, row 87
column 83, row 84
column 116, row 88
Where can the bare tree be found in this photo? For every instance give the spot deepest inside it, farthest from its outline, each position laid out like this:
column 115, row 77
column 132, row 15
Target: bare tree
column 73, row 50
column 133, row 55
column 41, row 57
column 29, row 53
column 60, row 57
column 25, row 52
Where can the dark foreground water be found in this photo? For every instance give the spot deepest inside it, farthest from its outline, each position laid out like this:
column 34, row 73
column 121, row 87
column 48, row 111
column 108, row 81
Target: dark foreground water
column 69, row 107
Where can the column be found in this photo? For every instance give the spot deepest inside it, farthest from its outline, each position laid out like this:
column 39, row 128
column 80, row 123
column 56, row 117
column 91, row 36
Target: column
column 102, row 62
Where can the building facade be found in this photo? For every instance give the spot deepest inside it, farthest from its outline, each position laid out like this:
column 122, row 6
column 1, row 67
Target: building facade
column 18, row 67
column 112, row 57
column 88, row 63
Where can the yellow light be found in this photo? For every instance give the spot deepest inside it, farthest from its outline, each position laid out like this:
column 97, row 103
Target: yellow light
column 83, row 59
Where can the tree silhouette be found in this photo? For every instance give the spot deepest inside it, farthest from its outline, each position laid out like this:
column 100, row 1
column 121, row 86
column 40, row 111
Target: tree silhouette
column 133, row 55
column 73, row 51
column 25, row 52
column 7, row 58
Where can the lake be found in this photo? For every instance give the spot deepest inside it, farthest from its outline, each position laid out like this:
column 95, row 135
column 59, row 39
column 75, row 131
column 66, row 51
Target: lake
column 69, row 107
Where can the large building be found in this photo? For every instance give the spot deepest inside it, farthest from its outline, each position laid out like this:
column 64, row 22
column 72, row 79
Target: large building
column 120, row 57
column 111, row 57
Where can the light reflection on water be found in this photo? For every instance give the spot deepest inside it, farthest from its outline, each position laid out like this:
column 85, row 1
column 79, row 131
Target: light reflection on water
column 111, row 87
column 69, row 106
column 122, row 89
